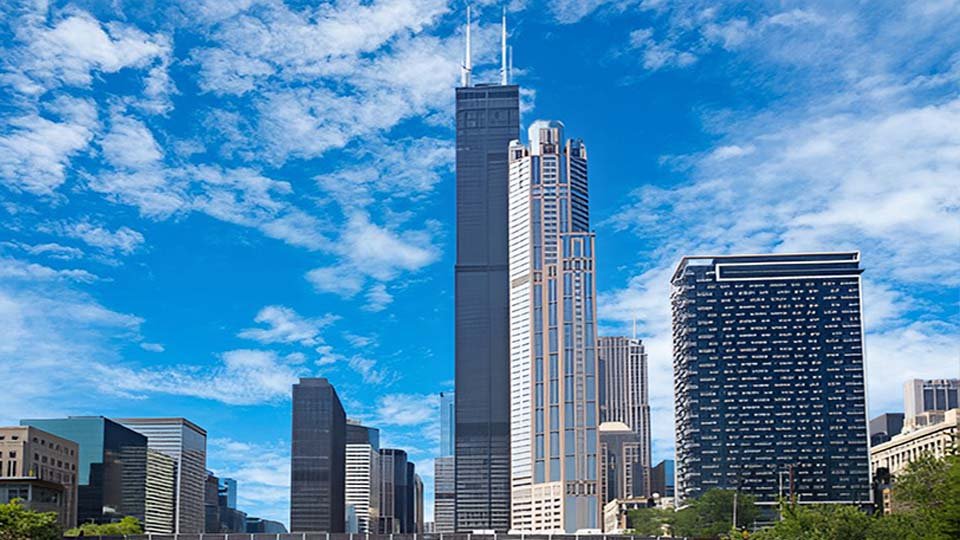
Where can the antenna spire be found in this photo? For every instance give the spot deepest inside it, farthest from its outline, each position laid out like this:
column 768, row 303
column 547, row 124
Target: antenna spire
column 504, row 73
column 467, row 66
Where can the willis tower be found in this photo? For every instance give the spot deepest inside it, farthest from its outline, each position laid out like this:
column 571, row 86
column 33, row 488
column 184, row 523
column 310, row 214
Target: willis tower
column 487, row 119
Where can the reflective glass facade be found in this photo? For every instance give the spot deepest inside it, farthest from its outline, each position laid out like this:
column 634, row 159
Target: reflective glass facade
column 487, row 119
column 105, row 449
column 769, row 377
column 318, row 456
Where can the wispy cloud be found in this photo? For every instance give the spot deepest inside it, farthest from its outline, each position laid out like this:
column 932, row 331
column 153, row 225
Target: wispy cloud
column 284, row 325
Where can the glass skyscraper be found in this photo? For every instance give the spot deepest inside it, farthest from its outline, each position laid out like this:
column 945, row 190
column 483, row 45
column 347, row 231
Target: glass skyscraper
column 362, row 480
column 186, row 443
column 108, row 460
column 769, row 377
column 487, row 119
column 444, row 493
column 625, row 397
column 318, row 456
column 554, row 387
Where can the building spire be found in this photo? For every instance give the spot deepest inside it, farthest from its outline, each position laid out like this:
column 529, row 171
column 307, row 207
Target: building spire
column 504, row 72
column 467, row 65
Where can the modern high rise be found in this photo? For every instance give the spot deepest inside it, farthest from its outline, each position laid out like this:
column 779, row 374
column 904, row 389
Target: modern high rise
column 418, row 526
column 626, row 397
column 487, row 119
column 106, row 449
column 396, row 492
column 444, row 478
column 769, row 377
column 150, row 489
column 186, row 443
column 923, row 396
column 623, row 474
column 448, row 423
column 554, row 385
column 40, row 468
column 362, row 480
column 317, row 472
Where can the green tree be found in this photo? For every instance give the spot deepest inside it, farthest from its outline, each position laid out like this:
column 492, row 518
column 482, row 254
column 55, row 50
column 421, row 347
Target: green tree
column 712, row 514
column 649, row 521
column 818, row 522
column 126, row 526
column 18, row 523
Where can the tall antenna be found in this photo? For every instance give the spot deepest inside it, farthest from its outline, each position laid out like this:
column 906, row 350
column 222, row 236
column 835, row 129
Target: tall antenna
column 467, row 66
column 504, row 75
column 509, row 63
column 634, row 327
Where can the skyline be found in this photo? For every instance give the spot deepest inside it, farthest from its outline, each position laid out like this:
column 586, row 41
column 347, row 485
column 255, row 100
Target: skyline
column 131, row 277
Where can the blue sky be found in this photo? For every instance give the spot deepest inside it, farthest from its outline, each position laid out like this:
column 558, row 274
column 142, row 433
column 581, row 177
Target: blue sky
column 201, row 201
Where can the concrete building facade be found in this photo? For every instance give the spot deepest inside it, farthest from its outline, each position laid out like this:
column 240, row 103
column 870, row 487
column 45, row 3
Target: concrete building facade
column 40, row 469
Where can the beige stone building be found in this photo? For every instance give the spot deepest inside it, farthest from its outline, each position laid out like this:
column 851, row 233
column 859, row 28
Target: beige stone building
column 933, row 439
column 40, row 469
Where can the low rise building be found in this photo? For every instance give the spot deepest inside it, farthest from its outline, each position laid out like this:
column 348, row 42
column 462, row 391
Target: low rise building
column 616, row 513
column 933, row 439
column 40, row 469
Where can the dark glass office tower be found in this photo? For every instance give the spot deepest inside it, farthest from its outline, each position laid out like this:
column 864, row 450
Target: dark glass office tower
column 105, row 449
column 488, row 118
column 317, row 458
column 394, row 496
column 769, row 377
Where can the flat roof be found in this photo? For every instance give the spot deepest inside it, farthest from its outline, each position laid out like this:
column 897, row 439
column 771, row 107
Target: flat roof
column 813, row 256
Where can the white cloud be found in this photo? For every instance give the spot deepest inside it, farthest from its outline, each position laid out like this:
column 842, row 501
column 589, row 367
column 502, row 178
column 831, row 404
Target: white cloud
column 152, row 347
column 49, row 249
column 243, row 377
column 378, row 298
column 407, row 409
column 285, row 325
column 35, row 149
column 130, row 144
column 336, row 279
column 22, row 270
column 367, row 369
column 659, row 54
column 77, row 46
column 123, row 240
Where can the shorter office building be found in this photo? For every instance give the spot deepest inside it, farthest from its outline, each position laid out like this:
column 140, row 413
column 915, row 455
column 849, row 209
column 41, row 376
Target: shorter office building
column 444, row 495
column 932, row 440
column 616, row 513
column 39, row 468
column 920, row 396
column 623, row 474
column 362, row 478
column 257, row 525
column 661, row 479
column 885, row 426
column 149, row 490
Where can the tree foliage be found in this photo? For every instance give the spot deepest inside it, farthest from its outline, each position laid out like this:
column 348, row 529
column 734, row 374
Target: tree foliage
column 926, row 507
column 126, row 526
column 710, row 516
column 18, row 523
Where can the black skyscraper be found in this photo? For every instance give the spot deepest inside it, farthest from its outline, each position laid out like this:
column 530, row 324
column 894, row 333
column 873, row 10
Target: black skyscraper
column 769, row 377
column 318, row 458
column 488, row 118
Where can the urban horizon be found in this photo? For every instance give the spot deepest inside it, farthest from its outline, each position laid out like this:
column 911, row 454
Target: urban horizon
column 192, row 225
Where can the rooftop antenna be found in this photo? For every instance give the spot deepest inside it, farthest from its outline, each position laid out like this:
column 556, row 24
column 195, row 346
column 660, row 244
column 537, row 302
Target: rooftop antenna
column 634, row 327
column 509, row 62
column 504, row 74
column 467, row 66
